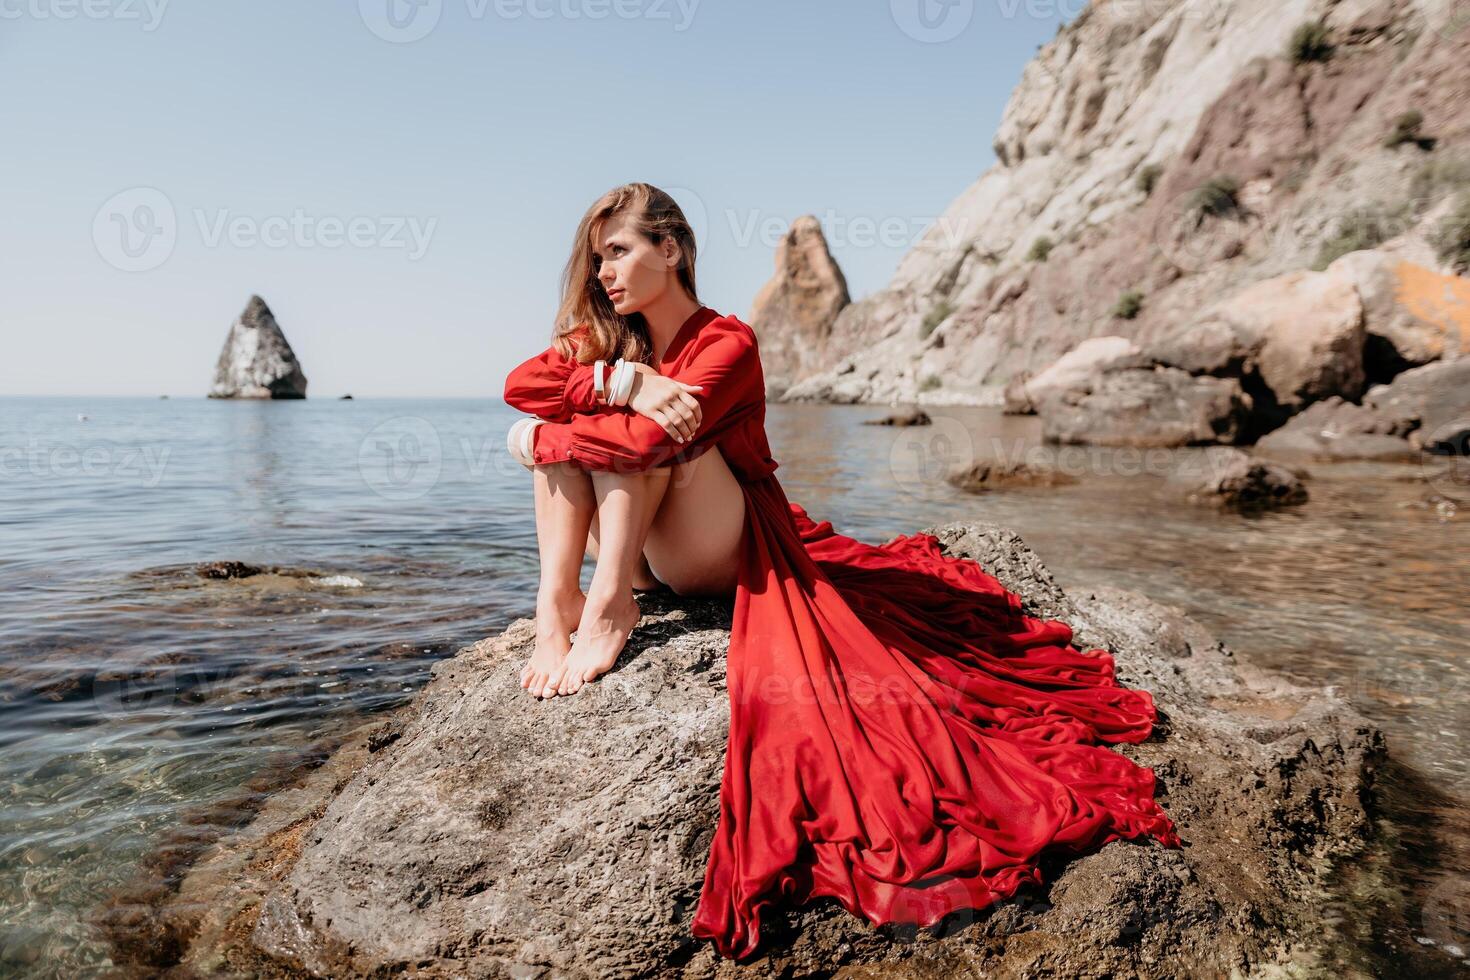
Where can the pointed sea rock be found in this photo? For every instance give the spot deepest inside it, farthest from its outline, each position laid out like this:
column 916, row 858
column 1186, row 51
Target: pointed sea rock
column 257, row 361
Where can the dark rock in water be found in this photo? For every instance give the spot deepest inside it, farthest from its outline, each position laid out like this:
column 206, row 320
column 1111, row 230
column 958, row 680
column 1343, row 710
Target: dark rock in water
column 256, row 361
column 345, row 398
column 1235, row 479
column 479, row 832
column 1339, row 429
column 228, row 570
column 997, row 475
column 1148, row 407
column 916, row 417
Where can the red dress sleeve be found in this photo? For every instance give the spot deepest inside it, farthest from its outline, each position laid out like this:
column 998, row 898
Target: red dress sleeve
column 551, row 387
column 725, row 361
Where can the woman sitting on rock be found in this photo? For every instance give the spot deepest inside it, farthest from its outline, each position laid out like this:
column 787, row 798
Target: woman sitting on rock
column 903, row 738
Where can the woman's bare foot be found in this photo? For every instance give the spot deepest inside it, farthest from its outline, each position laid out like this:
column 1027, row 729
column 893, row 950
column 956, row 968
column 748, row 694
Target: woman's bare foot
column 556, row 616
column 601, row 634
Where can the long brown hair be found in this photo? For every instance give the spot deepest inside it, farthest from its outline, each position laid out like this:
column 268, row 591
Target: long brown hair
column 584, row 303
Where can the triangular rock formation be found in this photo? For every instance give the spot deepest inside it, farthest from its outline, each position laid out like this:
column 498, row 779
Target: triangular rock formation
column 257, row 361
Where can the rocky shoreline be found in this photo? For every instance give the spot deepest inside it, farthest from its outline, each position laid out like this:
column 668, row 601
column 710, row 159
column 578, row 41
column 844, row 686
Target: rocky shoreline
column 476, row 832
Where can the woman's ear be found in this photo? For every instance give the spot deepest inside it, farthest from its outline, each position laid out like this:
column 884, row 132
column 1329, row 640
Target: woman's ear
column 672, row 252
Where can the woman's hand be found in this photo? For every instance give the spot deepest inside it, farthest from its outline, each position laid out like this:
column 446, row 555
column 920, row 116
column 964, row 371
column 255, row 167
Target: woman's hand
column 666, row 401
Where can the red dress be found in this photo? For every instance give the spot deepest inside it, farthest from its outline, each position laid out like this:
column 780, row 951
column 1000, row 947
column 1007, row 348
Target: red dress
column 902, row 737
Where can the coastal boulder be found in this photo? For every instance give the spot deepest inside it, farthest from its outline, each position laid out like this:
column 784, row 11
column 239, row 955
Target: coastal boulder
column 257, row 361
column 1078, row 368
column 1233, row 478
column 1412, row 315
column 479, row 832
column 1423, row 409
column 1148, row 407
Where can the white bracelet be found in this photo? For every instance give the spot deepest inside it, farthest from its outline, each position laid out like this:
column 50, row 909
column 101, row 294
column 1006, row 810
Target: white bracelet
column 513, row 440
column 625, row 383
column 615, row 381
column 521, row 440
column 599, row 381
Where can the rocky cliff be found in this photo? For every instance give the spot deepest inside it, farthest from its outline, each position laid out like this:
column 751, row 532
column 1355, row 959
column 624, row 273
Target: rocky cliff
column 481, row 833
column 257, row 361
column 1156, row 163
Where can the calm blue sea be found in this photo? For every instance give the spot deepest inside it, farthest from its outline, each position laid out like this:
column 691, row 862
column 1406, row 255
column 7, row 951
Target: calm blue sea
column 135, row 689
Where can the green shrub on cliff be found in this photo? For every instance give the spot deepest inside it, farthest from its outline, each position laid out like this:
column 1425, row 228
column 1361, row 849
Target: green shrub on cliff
column 1129, row 305
column 1406, row 130
column 1310, row 42
column 1216, row 196
column 937, row 314
column 1357, row 230
column 1451, row 237
column 1148, row 178
column 1040, row 249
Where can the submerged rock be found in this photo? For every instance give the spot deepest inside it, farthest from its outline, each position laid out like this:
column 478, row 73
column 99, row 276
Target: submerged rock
column 257, row 361
column 915, row 416
column 479, row 832
column 1004, row 475
column 1236, row 479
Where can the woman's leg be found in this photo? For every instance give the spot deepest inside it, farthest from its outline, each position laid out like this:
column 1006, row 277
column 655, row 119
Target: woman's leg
column 693, row 529
column 626, row 504
column 643, row 577
column 565, row 506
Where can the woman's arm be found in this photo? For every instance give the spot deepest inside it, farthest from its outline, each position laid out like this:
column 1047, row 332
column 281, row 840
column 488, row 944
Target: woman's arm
column 726, row 365
column 552, row 387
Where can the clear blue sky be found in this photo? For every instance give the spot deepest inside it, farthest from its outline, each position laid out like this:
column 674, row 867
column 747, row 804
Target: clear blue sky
column 406, row 205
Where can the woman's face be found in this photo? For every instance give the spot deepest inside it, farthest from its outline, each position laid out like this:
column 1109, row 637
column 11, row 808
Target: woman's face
column 634, row 272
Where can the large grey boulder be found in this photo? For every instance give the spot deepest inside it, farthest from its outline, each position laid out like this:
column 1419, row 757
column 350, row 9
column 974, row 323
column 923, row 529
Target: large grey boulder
column 1078, row 368
column 257, row 361
column 1423, row 409
column 481, row 833
column 1148, row 407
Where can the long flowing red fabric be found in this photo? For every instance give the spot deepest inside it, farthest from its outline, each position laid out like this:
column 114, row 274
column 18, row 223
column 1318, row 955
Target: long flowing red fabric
column 903, row 738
